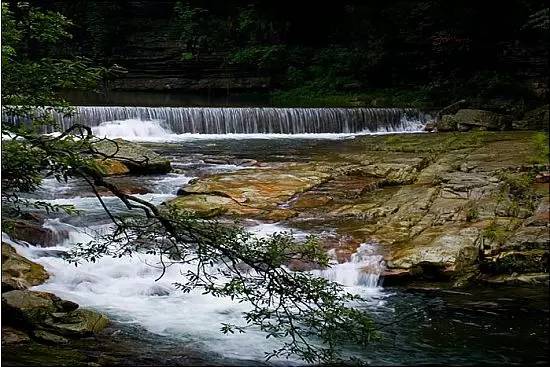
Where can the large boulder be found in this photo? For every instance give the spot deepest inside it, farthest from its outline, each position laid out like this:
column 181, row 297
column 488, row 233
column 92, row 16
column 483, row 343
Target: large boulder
column 467, row 119
column 111, row 167
column 135, row 157
column 48, row 317
column 31, row 229
column 257, row 193
column 439, row 247
column 19, row 272
column 537, row 119
column 29, row 307
column 13, row 336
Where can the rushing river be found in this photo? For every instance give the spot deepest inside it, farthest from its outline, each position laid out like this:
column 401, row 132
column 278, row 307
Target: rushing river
column 496, row 326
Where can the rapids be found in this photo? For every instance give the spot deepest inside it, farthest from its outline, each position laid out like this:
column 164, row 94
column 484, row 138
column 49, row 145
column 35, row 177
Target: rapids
column 416, row 326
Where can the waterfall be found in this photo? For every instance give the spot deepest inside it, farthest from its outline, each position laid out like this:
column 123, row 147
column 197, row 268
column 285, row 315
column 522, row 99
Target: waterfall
column 363, row 269
column 206, row 120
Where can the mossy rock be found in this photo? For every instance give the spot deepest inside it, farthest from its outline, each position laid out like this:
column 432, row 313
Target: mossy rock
column 19, row 272
column 111, row 167
column 533, row 261
column 34, row 311
column 467, row 119
column 137, row 158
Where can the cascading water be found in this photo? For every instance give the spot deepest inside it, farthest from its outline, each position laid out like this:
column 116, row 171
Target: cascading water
column 363, row 269
column 199, row 120
column 132, row 128
column 126, row 289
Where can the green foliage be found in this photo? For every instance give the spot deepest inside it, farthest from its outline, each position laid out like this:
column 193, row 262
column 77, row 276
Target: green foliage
column 270, row 57
column 541, row 153
column 495, row 233
column 517, row 191
column 31, row 74
column 472, row 211
column 30, row 81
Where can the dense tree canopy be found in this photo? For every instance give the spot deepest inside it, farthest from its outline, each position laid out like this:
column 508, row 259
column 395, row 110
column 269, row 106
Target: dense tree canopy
column 487, row 48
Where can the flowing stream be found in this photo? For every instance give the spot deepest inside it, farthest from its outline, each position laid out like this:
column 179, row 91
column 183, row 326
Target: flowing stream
column 421, row 327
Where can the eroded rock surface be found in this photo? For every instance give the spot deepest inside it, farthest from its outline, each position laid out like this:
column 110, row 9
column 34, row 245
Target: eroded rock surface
column 19, row 272
column 119, row 156
column 40, row 316
column 459, row 207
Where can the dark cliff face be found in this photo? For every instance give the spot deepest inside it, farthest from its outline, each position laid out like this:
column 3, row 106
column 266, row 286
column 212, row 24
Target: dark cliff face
column 139, row 37
column 402, row 43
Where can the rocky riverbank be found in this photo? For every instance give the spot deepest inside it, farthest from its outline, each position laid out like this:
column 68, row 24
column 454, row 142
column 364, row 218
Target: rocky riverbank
column 443, row 210
column 455, row 208
column 33, row 320
column 32, row 316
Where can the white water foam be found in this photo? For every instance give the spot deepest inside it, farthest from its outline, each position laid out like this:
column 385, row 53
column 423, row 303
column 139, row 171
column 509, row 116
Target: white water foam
column 152, row 131
column 132, row 129
column 126, row 290
column 156, row 131
column 363, row 269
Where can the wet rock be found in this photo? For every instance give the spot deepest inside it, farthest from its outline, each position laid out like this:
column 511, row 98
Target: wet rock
column 76, row 323
column 27, row 306
column 278, row 214
column 301, row 265
column 50, row 253
column 342, row 247
column 260, row 188
column 467, row 185
column 157, row 290
column 50, row 338
column 427, row 200
column 533, row 279
column 396, row 173
column 537, row 119
column 13, row 336
column 430, row 126
column 467, row 119
column 204, row 206
column 47, row 314
column 36, row 234
column 215, row 161
column 19, row 272
column 437, row 247
column 254, row 193
column 112, row 167
column 395, row 277
column 137, row 158
column 126, row 186
column 311, row 201
column 541, row 215
column 446, row 123
column 542, row 177
column 245, row 162
column 528, row 238
column 532, row 261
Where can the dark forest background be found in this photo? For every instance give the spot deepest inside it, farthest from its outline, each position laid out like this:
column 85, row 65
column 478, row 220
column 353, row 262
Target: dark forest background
column 415, row 53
